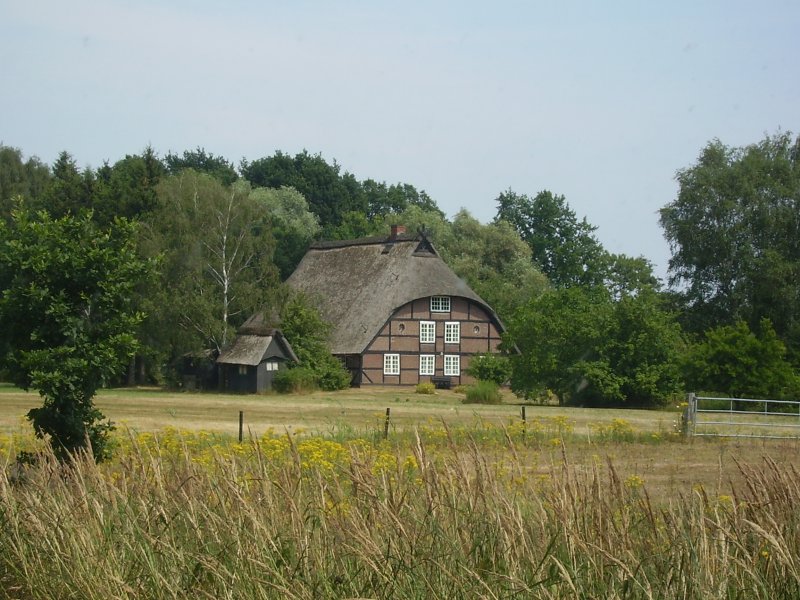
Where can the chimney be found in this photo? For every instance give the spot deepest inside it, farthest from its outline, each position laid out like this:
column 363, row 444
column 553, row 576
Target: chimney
column 397, row 230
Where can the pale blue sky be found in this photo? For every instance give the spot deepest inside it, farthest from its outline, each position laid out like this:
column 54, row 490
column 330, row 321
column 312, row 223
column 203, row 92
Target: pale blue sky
column 599, row 101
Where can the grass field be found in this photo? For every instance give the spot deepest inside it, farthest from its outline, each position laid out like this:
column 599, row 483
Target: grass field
column 459, row 502
column 356, row 409
column 649, row 449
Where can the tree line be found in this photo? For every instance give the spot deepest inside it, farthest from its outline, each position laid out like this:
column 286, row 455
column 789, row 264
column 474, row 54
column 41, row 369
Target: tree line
column 208, row 243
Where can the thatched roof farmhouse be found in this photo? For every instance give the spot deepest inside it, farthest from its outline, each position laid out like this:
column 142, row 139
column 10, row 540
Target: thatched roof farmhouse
column 400, row 315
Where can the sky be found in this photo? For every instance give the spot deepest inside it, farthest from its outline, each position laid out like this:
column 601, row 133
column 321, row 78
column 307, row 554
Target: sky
column 600, row 101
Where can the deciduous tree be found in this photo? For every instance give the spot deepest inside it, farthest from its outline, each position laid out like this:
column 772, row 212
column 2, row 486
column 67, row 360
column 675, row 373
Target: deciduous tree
column 734, row 230
column 563, row 247
column 217, row 249
column 68, row 321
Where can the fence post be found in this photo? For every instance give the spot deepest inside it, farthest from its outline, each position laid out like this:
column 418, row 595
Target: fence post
column 386, row 424
column 241, row 426
column 688, row 416
column 524, row 422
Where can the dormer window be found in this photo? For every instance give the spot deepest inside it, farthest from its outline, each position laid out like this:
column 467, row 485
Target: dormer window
column 440, row 303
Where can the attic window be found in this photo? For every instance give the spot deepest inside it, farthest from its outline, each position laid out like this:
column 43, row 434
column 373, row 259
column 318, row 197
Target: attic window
column 440, row 303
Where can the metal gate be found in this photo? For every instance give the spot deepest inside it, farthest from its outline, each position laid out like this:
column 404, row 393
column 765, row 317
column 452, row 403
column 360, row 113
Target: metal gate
column 741, row 417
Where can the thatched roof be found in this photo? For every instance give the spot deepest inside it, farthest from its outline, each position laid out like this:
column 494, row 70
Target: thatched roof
column 358, row 284
column 248, row 349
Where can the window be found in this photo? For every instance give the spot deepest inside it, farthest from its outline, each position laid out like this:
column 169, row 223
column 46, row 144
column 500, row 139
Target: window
column 427, row 332
column 242, row 369
column 427, row 364
column 271, row 365
column 440, row 303
column 452, row 365
column 391, row 364
column 452, row 332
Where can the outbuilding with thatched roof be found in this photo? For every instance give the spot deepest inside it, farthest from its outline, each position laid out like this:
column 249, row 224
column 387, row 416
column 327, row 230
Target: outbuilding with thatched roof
column 249, row 364
column 399, row 314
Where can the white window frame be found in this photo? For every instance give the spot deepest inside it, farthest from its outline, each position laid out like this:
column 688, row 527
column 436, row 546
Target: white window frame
column 452, row 365
column 440, row 304
column 271, row 365
column 391, row 364
column 452, row 332
column 430, row 337
column 427, row 364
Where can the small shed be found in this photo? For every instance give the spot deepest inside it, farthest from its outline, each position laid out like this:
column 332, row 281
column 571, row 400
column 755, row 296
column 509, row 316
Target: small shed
column 250, row 363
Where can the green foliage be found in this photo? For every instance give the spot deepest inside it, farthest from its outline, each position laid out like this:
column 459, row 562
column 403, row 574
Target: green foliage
column 337, row 197
column 493, row 260
column 203, row 162
column 305, row 330
column 128, row 189
column 68, row 191
column 425, row 388
column 25, row 179
column 562, row 247
column 296, row 380
column 394, row 199
column 293, row 225
column 592, row 350
column 734, row 360
column 68, row 320
column 735, row 237
column 216, row 249
column 329, row 193
column 490, row 367
column 483, row 392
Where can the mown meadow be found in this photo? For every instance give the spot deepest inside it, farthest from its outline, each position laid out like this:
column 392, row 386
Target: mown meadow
column 567, row 504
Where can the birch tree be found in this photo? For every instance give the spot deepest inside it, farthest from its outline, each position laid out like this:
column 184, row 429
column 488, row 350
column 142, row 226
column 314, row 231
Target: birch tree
column 216, row 247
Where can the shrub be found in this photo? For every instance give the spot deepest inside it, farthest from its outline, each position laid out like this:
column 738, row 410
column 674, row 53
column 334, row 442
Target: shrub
column 490, row 367
column 308, row 333
column 299, row 379
column 331, row 375
column 483, row 392
column 461, row 389
column 426, row 388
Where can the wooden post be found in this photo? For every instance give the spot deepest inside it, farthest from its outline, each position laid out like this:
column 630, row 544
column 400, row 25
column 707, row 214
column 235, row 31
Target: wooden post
column 688, row 416
column 241, row 426
column 524, row 423
column 386, row 424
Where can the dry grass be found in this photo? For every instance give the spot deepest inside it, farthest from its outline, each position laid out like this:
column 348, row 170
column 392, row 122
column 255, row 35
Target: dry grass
column 448, row 513
column 357, row 409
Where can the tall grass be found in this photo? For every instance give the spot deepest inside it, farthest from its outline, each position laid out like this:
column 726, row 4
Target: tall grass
column 288, row 518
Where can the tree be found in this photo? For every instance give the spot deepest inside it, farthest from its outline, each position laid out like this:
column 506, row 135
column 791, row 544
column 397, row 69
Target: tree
column 562, row 247
column 69, row 190
column 591, row 350
column 329, row 193
column 308, row 334
column 384, row 200
column 68, row 321
column 493, row 260
column 734, row 231
column 734, row 360
column 217, row 248
column 293, row 225
column 203, row 162
column 128, row 189
column 18, row 178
